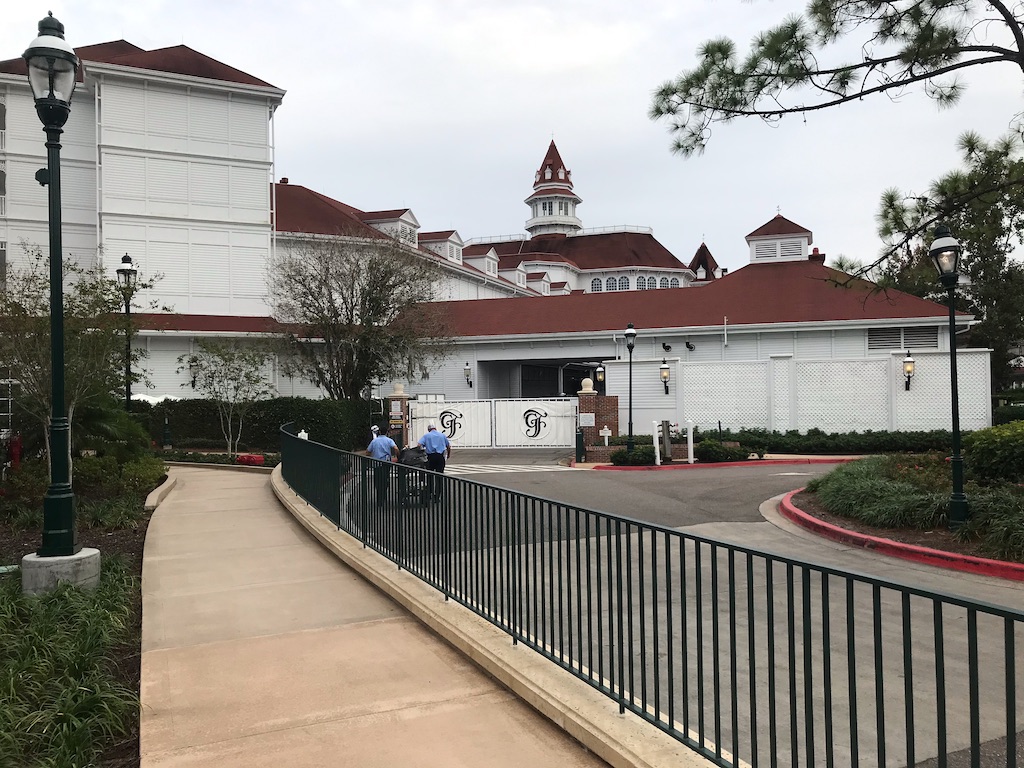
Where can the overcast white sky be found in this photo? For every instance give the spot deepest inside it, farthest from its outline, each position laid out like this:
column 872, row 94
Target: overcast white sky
column 447, row 107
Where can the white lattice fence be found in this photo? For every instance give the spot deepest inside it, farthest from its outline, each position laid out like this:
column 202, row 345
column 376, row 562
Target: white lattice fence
column 734, row 393
column 782, row 374
column 842, row 395
column 927, row 404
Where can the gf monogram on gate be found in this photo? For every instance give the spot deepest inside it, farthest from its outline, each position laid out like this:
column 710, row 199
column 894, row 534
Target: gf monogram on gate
column 534, row 421
column 450, row 423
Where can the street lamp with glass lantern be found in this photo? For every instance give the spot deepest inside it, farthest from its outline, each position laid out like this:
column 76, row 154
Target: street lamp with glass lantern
column 127, row 277
column 630, row 335
column 945, row 254
column 52, row 73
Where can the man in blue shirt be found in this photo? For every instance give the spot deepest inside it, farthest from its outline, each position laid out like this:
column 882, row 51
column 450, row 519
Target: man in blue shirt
column 384, row 449
column 438, row 448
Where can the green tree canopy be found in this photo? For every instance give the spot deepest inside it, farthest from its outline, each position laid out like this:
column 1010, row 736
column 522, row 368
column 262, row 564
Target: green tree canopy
column 983, row 203
column 806, row 63
column 94, row 335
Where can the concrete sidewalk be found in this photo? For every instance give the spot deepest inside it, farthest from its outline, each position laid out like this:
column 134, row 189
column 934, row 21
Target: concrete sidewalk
column 259, row 648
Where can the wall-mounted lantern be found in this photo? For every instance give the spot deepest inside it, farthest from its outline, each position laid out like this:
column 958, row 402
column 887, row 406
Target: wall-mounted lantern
column 468, row 372
column 908, row 370
column 193, row 369
column 666, row 373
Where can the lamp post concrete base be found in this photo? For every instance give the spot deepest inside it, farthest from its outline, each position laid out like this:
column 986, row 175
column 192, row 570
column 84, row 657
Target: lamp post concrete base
column 43, row 574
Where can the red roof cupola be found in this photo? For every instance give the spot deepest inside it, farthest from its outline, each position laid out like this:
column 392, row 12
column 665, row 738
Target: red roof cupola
column 779, row 240
column 553, row 203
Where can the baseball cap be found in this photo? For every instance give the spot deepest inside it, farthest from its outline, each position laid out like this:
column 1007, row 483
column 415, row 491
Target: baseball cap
column 430, row 425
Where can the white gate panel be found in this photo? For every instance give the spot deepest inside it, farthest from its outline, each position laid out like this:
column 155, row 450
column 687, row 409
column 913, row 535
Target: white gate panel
column 528, row 423
column 467, row 423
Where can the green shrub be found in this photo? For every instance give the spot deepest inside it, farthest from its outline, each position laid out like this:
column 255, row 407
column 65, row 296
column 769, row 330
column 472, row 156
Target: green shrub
column 1004, row 414
column 141, row 476
column 637, row 440
column 193, row 457
column 709, row 451
column 642, row 455
column 997, row 453
column 97, row 476
column 194, row 423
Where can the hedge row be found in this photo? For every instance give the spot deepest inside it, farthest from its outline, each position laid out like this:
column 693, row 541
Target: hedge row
column 343, row 424
column 815, row 441
column 1004, row 414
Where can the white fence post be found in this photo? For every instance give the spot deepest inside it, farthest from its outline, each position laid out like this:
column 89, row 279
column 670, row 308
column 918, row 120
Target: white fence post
column 689, row 441
column 656, row 434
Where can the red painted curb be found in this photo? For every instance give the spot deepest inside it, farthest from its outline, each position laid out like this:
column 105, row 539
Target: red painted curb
column 749, row 463
column 937, row 557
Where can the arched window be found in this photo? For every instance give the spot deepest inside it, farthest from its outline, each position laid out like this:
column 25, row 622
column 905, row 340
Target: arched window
column 641, row 283
column 595, row 285
column 664, row 282
column 623, row 283
column 675, row 282
column 610, row 284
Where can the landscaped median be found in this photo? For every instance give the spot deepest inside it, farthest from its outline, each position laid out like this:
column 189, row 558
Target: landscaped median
column 899, row 504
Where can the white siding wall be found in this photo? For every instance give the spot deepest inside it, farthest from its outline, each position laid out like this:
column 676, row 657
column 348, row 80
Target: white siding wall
column 198, row 270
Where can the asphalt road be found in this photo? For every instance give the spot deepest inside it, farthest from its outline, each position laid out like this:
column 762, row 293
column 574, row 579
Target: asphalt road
column 674, row 497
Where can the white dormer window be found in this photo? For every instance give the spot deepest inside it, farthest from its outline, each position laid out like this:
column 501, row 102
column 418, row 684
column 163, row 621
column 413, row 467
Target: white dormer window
column 547, row 173
column 561, row 173
column 491, row 267
column 520, row 278
column 701, row 273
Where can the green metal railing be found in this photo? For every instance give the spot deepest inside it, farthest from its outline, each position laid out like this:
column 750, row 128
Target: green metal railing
column 743, row 655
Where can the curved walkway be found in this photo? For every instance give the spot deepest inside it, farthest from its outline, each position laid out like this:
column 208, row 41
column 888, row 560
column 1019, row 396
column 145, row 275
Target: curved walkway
column 259, row 648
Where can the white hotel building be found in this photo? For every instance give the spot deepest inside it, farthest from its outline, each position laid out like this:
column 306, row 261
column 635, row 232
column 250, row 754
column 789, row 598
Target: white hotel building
column 169, row 156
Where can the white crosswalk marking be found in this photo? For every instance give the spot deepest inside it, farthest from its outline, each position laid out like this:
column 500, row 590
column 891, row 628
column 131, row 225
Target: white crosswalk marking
column 482, row 469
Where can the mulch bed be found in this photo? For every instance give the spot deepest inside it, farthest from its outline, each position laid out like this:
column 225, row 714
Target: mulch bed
column 14, row 544
column 939, row 538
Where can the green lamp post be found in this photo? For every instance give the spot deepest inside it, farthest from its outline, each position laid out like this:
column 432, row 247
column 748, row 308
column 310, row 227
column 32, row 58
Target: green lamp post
column 127, row 275
column 52, row 72
column 630, row 334
column 945, row 255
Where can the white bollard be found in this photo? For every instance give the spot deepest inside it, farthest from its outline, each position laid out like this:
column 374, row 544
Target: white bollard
column 656, row 436
column 689, row 441
column 303, row 435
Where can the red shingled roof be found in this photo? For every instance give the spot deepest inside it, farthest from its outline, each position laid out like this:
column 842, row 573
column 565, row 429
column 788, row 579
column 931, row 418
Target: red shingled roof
column 383, row 215
column 207, row 323
column 553, row 161
column 780, row 225
column 178, row 59
column 703, row 258
column 304, row 211
column 600, row 251
column 434, row 237
column 787, row 292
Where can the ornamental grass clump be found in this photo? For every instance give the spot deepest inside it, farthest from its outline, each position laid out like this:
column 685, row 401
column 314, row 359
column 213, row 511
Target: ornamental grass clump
column 60, row 702
column 912, row 491
column 884, row 491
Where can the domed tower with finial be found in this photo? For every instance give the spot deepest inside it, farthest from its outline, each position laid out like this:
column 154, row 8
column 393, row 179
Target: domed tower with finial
column 553, row 203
